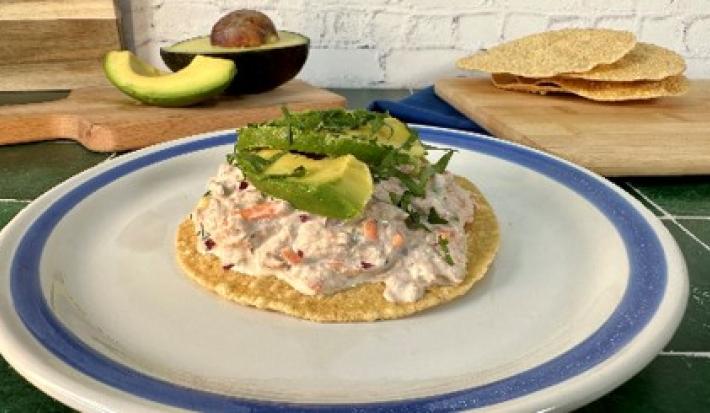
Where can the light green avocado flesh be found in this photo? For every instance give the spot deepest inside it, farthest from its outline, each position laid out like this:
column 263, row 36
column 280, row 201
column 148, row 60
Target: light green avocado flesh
column 333, row 187
column 202, row 79
column 202, row 45
column 367, row 145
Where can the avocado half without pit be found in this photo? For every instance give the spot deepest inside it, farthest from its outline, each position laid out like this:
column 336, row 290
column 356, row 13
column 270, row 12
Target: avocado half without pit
column 265, row 58
column 202, row 79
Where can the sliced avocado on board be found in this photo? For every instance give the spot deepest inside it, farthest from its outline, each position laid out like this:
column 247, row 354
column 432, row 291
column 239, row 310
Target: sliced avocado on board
column 366, row 135
column 337, row 187
column 203, row 78
column 261, row 68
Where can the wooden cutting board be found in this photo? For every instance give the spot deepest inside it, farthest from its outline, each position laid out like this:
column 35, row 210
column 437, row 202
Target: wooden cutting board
column 666, row 136
column 55, row 44
column 103, row 119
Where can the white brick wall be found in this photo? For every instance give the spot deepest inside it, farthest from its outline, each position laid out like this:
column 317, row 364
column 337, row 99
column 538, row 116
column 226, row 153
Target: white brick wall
column 409, row 43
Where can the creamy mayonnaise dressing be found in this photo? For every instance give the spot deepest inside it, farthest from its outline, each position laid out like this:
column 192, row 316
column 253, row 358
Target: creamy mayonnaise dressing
column 256, row 234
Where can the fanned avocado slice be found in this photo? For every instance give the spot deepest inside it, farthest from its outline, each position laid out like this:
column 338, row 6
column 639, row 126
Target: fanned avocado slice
column 202, row 79
column 337, row 187
column 367, row 135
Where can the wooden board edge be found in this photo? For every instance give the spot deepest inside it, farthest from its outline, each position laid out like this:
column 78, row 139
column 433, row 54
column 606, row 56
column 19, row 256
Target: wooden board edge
column 97, row 138
column 482, row 118
column 651, row 167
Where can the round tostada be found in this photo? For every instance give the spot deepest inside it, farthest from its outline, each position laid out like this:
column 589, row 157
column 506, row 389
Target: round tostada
column 337, row 216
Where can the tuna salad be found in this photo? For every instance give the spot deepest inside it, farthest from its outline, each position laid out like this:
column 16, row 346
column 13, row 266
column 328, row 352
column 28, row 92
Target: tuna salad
column 257, row 234
column 325, row 201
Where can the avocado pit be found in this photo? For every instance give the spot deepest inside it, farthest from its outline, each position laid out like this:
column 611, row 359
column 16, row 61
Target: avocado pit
column 243, row 28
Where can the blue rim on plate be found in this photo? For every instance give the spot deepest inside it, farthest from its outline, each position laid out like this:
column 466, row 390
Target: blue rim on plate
column 641, row 299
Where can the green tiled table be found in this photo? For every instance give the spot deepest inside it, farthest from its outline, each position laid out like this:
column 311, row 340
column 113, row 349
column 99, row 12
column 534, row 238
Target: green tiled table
column 678, row 380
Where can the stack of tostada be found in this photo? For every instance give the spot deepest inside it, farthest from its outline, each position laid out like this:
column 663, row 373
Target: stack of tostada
column 597, row 64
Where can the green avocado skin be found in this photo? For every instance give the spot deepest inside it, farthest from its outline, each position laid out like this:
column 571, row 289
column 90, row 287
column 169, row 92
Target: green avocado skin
column 171, row 101
column 258, row 70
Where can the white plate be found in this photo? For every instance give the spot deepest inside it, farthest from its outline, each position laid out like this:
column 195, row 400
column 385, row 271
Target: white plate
column 587, row 287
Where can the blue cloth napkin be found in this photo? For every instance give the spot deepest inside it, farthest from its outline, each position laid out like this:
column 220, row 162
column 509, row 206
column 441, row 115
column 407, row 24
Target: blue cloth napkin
column 426, row 108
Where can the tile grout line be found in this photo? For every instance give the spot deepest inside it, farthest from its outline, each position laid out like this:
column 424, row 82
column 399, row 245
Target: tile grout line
column 669, row 217
column 697, row 354
column 19, row 201
column 27, row 201
column 113, row 155
column 688, row 217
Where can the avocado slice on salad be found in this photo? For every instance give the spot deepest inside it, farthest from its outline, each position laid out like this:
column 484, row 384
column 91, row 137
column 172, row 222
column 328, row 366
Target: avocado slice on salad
column 337, row 187
column 325, row 161
column 369, row 136
column 202, row 79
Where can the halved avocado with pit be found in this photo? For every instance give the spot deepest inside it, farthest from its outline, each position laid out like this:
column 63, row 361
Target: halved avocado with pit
column 260, row 68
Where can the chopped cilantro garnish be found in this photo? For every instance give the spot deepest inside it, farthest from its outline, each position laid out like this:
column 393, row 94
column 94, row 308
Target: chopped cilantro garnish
column 444, row 246
column 414, row 217
column 407, row 145
column 414, row 221
column 287, row 119
column 434, row 148
column 426, row 173
column 253, row 162
column 298, row 172
column 414, row 186
column 334, row 120
column 443, row 162
column 435, row 218
column 378, row 123
column 406, row 200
